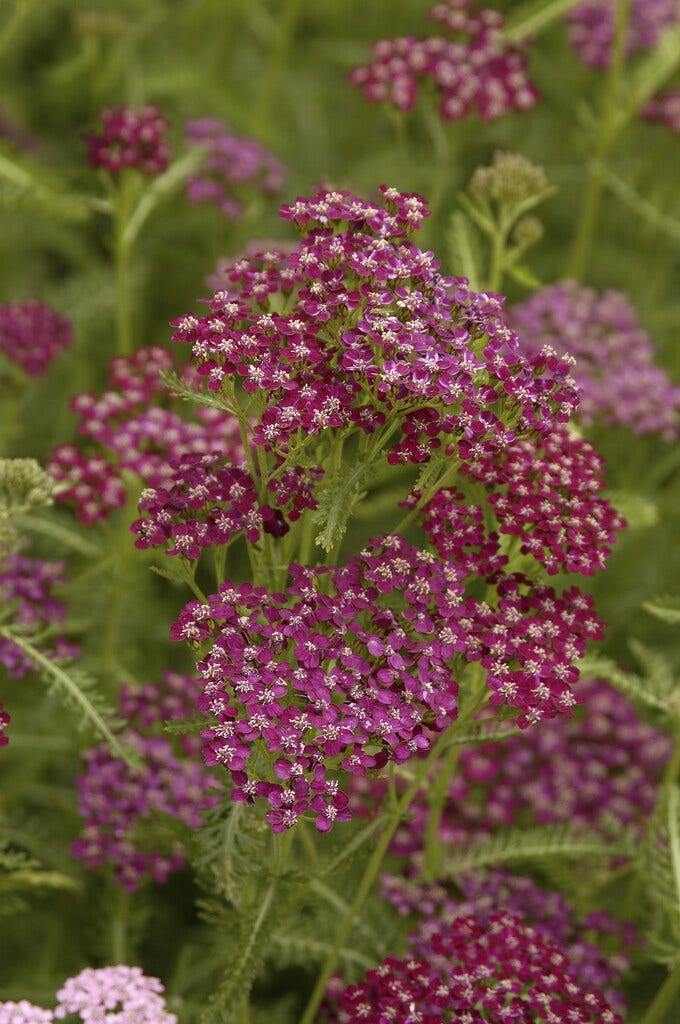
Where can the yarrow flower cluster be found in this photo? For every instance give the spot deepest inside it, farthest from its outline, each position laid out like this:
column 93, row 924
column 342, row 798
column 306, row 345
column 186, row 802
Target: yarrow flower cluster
column 117, row 801
column 478, row 970
column 665, row 110
column 232, row 168
column 130, row 138
column 4, row 720
column 32, row 335
column 132, row 427
column 26, row 587
column 484, row 893
column 614, row 355
column 356, row 665
column 592, row 27
column 374, row 338
column 471, row 65
column 115, row 995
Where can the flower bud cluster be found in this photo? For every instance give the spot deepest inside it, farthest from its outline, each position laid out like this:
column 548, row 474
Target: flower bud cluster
column 665, row 110
column 26, row 587
column 486, row 893
column 592, row 27
column 614, row 355
column 357, row 665
column 470, row 65
column 133, row 427
column 130, row 138
column 233, row 168
column 116, row 995
column 509, row 179
column 373, row 336
column 32, row 335
column 486, row 969
column 123, row 807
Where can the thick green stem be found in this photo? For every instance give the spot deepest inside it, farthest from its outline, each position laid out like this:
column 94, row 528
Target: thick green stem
column 122, row 254
column 371, row 871
column 658, row 1012
column 607, row 130
column 119, row 927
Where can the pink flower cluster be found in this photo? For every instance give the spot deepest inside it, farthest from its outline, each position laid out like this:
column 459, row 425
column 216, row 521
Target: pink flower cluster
column 487, row 969
column 4, row 720
column 233, row 166
column 133, row 427
column 665, row 110
column 32, row 335
column 592, row 27
column 374, row 337
column 130, row 138
column 357, row 665
column 122, row 807
column 116, row 995
column 614, row 355
column 210, row 501
column 26, row 586
column 485, row 893
column 470, row 65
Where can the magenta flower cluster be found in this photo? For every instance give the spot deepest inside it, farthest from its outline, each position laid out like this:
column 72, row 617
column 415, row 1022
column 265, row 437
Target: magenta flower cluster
column 32, row 335
column 487, row 969
column 113, row 995
column 592, row 26
column 614, row 356
column 483, row 893
column 26, row 587
column 4, row 721
column 665, row 110
column 130, row 138
column 357, row 665
column 373, row 336
column 470, row 65
column 133, row 427
column 233, row 168
column 123, row 807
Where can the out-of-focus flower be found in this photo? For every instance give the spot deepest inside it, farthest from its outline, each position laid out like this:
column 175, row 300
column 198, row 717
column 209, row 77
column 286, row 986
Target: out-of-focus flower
column 115, row 995
column 26, row 586
column 130, row 138
column 233, row 168
column 592, row 27
column 117, row 801
column 470, row 65
column 614, row 355
column 665, row 110
column 4, row 720
column 24, row 1012
column 32, row 335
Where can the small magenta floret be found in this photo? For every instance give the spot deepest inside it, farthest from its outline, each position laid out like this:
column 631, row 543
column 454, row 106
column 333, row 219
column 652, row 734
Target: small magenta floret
column 130, row 138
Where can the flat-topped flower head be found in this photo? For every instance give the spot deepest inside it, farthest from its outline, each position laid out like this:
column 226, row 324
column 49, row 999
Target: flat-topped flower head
column 592, row 27
column 373, row 340
column 234, row 168
column 477, row 970
column 134, row 426
column 32, row 335
column 613, row 355
column 116, row 995
column 130, row 138
column 123, row 807
column 24, row 1012
column 471, row 67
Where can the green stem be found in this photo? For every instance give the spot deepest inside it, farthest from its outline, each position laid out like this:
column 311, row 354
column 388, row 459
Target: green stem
column 658, row 1012
column 273, row 75
column 21, row 11
column 607, row 131
column 442, row 173
column 122, row 254
column 370, row 873
column 119, row 927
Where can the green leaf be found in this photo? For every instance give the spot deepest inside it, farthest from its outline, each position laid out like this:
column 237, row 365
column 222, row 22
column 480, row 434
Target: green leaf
column 338, row 499
column 180, row 389
column 665, row 607
column 463, row 249
column 524, row 276
column 533, row 16
column 533, row 844
column 650, row 692
column 659, row 865
column 647, row 211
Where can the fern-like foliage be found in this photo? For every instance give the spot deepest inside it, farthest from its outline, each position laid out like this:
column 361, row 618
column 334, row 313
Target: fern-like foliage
column 21, row 875
column 338, row 500
column 659, row 864
column 655, row 692
column 665, row 607
column 540, row 843
column 189, row 393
